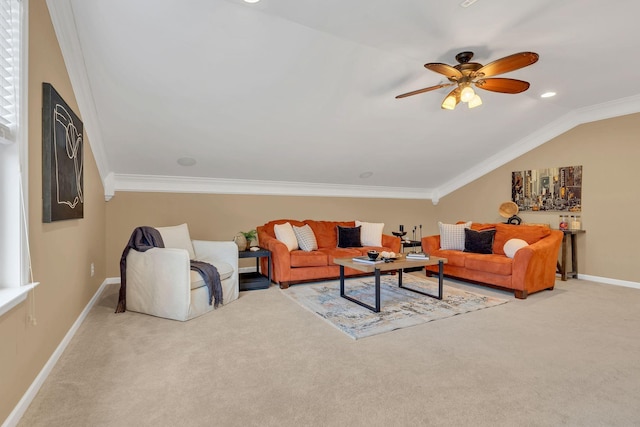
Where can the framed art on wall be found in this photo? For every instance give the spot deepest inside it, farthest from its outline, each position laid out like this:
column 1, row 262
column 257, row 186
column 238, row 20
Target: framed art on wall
column 62, row 159
column 551, row 189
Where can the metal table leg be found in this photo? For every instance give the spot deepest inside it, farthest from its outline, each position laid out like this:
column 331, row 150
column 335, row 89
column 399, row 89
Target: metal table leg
column 440, row 282
column 375, row 309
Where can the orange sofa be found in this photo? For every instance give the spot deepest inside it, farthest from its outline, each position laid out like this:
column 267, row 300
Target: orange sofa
column 299, row 266
column 532, row 269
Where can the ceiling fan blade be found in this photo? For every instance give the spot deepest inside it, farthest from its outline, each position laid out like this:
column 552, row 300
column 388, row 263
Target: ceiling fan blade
column 503, row 85
column 508, row 63
column 447, row 70
column 426, row 89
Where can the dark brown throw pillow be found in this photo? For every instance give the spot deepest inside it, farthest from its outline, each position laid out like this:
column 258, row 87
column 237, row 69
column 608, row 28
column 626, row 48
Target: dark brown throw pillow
column 349, row 237
column 479, row 242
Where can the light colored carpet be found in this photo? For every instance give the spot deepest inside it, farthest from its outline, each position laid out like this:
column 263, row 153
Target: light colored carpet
column 567, row 357
column 399, row 308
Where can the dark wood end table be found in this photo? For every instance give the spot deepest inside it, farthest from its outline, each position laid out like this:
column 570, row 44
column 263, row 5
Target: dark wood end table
column 255, row 280
column 569, row 242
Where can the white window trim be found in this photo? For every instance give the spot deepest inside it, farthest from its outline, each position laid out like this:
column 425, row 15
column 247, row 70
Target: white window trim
column 14, row 292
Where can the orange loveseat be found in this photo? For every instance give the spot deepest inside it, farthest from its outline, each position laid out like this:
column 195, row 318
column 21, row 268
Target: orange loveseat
column 532, row 269
column 299, row 266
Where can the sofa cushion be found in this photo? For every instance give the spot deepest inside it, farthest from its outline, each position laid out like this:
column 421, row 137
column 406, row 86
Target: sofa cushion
column 333, row 253
column 325, row 231
column 370, row 233
column 512, row 246
column 284, row 233
column 455, row 258
column 177, row 237
column 479, row 242
column 452, row 235
column 489, row 263
column 349, row 237
column 308, row 259
column 480, row 226
column 529, row 233
column 306, row 239
column 225, row 270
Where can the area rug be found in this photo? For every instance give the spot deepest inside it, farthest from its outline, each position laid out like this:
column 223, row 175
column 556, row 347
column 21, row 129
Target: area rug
column 400, row 308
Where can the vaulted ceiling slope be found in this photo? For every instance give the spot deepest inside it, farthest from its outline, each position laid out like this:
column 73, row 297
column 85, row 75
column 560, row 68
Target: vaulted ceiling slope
column 298, row 96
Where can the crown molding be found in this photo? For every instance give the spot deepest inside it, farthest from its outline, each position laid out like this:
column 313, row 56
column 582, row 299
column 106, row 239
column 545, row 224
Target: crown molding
column 180, row 184
column 64, row 24
column 149, row 183
column 607, row 110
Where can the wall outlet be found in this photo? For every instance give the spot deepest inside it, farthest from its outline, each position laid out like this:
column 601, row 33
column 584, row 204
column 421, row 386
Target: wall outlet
column 93, row 270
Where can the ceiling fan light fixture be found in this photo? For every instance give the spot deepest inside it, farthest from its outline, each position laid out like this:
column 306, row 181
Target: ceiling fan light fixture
column 475, row 101
column 467, row 94
column 449, row 103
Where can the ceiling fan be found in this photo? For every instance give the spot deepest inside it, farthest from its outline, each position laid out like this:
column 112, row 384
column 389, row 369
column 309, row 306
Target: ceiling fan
column 465, row 74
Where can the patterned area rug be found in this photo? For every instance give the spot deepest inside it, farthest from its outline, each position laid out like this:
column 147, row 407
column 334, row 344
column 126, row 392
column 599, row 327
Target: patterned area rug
column 400, row 308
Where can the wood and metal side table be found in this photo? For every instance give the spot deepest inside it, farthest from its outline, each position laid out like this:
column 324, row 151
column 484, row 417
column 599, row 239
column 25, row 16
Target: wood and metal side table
column 255, row 280
column 416, row 246
column 569, row 244
column 411, row 244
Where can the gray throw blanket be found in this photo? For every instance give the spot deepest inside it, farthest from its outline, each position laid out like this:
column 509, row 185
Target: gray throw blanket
column 144, row 238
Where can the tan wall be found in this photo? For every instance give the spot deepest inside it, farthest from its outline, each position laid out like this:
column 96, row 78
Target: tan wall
column 221, row 217
column 609, row 151
column 61, row 251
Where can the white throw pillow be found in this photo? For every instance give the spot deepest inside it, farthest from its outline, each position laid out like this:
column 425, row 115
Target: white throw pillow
column 512, row 246
column 284, row 233
column 306, row 239
column 177, row 237
column 370, row 233
column 452, row 235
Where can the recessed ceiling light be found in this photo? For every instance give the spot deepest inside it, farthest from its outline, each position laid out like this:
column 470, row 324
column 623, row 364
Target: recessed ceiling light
column 365, row 175
column 186, row 161
column 548, row 95
column 465, row 3
column 251, row 1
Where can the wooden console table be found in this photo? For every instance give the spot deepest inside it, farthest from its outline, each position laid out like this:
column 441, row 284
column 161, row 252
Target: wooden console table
column 569, row 242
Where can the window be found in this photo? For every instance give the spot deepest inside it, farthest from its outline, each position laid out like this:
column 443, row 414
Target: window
column 14, row 260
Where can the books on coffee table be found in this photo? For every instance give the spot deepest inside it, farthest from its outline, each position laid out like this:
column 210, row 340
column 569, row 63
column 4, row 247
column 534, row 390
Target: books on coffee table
column 417, row 255
column 365, row 259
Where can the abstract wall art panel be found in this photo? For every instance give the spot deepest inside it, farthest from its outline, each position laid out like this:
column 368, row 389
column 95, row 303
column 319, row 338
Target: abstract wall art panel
column 62, row 159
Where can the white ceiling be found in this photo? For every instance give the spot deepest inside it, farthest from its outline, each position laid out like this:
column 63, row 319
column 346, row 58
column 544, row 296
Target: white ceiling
column 298, row 96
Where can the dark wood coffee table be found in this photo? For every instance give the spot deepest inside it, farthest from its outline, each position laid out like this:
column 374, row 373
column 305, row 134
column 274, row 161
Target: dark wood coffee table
column 397, row 265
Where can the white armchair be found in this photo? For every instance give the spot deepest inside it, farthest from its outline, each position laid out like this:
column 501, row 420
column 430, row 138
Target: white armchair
column 160, row 281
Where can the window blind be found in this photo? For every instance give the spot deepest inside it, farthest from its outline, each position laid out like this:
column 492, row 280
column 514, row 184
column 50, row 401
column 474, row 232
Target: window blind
column 9, row 43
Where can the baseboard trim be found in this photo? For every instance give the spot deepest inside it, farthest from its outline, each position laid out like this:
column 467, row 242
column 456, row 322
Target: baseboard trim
column 609, row 281
column 32, row 391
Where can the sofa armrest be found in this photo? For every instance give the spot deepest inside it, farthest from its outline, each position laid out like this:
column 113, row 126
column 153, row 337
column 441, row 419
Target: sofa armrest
column 280, row 256
column 534, row 266
column 391, row 242
column 158, row 282
column 431, row 243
